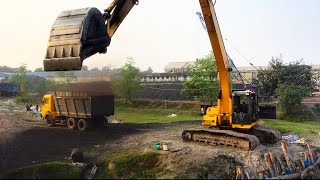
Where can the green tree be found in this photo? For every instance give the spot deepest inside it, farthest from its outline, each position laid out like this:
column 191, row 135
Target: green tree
column 127, row 83
column 38, row 70
column 95, row 69
column 290, row 97
column 44, row 85
column 289, row 83
column 106, row 68
column 279, row 73
column 85, row 68
column 8, row 69
column 203, row 82
column 149, row 70
column 20, row 78
column 66, row 77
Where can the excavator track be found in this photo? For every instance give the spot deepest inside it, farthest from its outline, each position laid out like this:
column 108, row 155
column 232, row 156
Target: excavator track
column 225, row 138
column 265, row 135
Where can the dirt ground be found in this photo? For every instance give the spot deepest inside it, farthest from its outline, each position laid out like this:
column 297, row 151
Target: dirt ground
column 24, row 142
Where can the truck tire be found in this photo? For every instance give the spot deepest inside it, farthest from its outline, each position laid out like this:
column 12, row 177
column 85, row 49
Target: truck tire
column 50, row 121
column 72, row 124
column 83, row 125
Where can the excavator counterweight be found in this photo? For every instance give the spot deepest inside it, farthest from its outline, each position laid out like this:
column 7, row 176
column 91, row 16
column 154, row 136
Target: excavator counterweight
column 75, row 36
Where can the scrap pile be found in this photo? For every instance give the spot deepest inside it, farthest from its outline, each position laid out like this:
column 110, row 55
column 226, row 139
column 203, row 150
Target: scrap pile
column 282, row 166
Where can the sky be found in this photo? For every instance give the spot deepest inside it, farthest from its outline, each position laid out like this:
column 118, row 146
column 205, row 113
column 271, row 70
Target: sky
column 157, row 32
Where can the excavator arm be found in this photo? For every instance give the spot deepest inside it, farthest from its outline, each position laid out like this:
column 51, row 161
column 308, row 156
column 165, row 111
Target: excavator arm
column 220, row 55
column 116, row 13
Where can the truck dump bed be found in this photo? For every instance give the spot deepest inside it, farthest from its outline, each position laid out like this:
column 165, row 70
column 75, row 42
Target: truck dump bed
column 81, row 105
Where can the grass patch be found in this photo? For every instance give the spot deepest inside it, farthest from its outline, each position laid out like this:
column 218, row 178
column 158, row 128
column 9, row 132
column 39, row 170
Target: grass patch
column 297, row 127
column 156, row 115
column 51, row 170
column 131, row 166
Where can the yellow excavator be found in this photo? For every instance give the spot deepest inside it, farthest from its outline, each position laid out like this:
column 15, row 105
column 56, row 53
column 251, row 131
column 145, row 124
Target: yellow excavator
column 79, row 34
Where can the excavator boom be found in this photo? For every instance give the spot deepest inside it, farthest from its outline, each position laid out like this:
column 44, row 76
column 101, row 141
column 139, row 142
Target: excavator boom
column 220, row 54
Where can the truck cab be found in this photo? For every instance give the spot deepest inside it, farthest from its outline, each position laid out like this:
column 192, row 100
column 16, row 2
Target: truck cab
column 48, row 106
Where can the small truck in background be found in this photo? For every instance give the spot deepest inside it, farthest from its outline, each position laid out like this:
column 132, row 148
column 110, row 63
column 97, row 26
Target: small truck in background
column 76, row 110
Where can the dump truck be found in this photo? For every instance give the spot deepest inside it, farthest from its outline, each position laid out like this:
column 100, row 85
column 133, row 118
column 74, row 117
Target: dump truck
column 76, row 110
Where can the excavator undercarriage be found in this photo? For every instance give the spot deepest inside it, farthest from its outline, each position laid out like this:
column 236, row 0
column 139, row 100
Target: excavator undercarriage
column 244, row 140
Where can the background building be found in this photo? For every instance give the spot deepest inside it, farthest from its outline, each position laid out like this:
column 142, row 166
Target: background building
column 178, row 67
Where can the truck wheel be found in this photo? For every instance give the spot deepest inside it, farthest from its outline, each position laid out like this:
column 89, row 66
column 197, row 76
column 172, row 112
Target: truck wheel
column 50, row 122
column 72, row 124
column 83, row 125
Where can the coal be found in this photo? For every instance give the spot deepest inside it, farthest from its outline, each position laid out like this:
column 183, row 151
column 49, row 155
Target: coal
column 168, row 91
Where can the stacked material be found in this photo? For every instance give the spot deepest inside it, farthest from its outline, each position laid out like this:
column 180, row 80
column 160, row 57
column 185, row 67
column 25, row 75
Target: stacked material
column 282, row 166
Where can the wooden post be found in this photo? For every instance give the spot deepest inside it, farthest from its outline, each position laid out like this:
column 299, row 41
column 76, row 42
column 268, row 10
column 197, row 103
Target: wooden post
column 310, row 153
column 268, row 163
column 277, row 173
column 285, row 152
column 279, row 159
column 240, row 174
column 302, row 164
column 306, row 158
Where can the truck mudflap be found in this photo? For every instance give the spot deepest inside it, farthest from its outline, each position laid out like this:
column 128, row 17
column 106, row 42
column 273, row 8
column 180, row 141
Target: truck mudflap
column 75, row 36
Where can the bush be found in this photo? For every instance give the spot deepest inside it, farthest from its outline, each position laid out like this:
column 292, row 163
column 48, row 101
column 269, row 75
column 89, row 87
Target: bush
column 23, row 98
column 290, row 97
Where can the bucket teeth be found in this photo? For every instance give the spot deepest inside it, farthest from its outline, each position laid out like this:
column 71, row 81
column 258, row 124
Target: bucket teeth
column 75, row 36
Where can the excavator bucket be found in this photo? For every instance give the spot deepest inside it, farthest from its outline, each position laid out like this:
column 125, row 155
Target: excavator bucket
column 75, row 36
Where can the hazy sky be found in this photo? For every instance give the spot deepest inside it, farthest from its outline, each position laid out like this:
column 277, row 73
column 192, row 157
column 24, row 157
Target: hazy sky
column 160, row 31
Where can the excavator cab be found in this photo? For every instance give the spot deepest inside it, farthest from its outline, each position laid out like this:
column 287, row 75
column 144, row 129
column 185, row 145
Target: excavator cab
column 245, row 107
column 75, row 36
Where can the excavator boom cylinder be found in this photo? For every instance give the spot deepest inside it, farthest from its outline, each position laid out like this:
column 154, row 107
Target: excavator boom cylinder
column 75, row 36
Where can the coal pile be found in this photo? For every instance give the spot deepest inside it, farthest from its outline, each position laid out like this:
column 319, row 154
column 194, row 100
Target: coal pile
column 170, row 91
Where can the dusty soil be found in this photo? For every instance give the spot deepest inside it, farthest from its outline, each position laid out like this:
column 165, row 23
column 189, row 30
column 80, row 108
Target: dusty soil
column 24, row 142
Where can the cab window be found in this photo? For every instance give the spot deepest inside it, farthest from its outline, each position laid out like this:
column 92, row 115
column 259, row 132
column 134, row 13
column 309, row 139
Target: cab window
column 45, row 101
